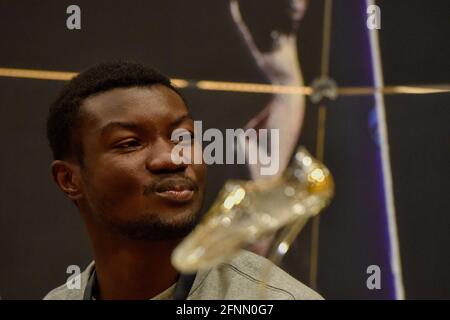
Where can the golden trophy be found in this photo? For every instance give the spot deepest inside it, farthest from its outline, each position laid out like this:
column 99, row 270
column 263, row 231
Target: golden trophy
column 246, row 211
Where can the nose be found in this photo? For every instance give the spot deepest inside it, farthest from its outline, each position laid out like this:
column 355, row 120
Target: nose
column 160, row 161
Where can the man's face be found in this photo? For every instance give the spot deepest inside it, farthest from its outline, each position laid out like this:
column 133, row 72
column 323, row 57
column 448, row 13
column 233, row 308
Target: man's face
column 130, row 183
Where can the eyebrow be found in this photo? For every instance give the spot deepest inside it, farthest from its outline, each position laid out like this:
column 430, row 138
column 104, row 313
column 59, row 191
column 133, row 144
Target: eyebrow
column 180, row 119
column 135, row 126
column 117, row 124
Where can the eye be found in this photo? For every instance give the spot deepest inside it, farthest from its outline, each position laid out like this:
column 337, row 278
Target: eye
column 128, row 144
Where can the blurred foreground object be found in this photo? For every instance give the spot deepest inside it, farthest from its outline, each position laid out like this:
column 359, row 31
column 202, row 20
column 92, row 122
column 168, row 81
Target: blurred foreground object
column 246, row 211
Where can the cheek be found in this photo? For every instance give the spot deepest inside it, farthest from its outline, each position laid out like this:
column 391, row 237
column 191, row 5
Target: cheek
column 114, row 182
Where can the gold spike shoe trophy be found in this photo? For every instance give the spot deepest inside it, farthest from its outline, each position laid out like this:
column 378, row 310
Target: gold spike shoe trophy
column 246, row 211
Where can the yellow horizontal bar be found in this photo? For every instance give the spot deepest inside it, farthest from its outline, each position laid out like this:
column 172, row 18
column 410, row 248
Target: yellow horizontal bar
column 180, row 83
column 37, row 74
column 252, row 87
column 345, row 91
column 240, row 86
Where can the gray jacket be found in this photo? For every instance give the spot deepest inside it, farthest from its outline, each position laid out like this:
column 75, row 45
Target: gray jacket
column 241, row 278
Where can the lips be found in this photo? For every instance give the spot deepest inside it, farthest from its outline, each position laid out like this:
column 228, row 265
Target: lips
column 176, row 196
column 175, row 190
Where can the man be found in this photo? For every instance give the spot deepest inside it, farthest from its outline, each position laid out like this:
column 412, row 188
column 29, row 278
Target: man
column 110, row 132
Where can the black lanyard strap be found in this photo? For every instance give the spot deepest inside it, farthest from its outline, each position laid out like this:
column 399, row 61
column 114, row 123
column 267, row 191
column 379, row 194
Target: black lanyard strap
column 183, row 286
column 90, row 286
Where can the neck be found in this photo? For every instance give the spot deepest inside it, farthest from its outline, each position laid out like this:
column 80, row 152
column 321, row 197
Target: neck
column 131, row 269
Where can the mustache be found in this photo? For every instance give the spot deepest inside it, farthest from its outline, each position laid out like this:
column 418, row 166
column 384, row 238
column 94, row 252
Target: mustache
column 172, row 182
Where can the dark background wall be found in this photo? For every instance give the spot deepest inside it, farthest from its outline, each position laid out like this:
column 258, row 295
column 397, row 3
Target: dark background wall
column 415, row 48
column 40, row 231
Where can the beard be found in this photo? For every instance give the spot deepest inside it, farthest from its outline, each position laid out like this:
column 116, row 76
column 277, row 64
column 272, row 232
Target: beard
column 151, row 227
column 146, row 226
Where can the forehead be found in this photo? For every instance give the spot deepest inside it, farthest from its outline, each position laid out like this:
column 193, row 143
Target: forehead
column 151, row 103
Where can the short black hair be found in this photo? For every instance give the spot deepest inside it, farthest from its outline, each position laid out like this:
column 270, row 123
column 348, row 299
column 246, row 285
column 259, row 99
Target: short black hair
column 64, row 117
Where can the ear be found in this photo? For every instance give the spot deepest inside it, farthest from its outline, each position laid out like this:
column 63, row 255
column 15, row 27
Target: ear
column 67, row 177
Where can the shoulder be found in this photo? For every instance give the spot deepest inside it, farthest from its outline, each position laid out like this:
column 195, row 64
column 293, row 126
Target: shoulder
column 249, row 276
column 63, row 292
